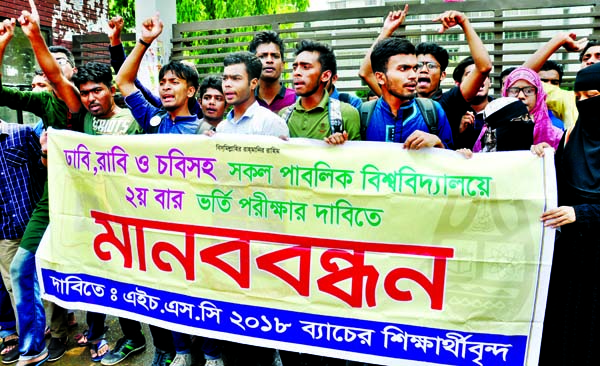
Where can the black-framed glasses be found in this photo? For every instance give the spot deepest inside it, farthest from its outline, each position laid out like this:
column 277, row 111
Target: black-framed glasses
column 527, row 90
column 430, row 65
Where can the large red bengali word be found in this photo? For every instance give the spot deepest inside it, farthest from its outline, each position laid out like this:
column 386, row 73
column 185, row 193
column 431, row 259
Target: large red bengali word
column 364, row 278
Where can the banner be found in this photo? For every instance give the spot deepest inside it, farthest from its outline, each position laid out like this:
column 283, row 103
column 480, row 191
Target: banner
column 364, row 251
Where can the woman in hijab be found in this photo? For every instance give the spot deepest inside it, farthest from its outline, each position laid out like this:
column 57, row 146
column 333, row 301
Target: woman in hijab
column 572, row 323
column 525, row 84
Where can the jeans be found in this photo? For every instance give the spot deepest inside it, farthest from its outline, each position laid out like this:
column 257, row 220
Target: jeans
column 8, row 323
column 210, row 347
column 30, row 309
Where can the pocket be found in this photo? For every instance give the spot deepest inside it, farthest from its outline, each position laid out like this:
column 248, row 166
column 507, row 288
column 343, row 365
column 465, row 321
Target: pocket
column 15, row 157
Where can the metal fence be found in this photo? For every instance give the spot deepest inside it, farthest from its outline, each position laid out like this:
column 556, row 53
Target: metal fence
column 511, row 30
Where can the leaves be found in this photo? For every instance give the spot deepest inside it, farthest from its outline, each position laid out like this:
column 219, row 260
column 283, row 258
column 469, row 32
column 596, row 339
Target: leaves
column 195, row 11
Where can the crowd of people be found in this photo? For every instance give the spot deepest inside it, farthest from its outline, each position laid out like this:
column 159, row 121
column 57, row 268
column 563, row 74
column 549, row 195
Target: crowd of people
column 406, row 105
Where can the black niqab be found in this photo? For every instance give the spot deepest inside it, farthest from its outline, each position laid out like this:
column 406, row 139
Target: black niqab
column 581, row 159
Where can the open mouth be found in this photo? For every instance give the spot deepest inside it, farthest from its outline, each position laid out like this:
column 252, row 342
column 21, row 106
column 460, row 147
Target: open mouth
column 424, row 81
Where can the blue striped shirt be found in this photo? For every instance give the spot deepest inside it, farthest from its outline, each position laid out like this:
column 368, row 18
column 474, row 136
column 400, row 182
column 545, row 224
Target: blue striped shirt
column 21, row 177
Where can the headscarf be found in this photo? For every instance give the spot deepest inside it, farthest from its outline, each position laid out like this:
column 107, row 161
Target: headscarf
column 581, row 157
column 498, row 115
column 543, row 131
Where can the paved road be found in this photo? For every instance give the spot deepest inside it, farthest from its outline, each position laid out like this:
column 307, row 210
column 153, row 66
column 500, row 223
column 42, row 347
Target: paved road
column 233, row 355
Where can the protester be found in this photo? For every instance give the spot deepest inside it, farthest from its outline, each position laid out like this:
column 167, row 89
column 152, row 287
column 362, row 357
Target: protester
column 99, row 115
column 562, row 102
column 396, row 116
column 316, row 115
column 178, row 84
column 471, row 122
column 508, row 127
column 571, row 333
column 22, row 172
column 240, row 79
column 270, row 92
column 212, row 101
column 551, row 72
column 525, row 84
column 432, row 62
column 30, row 309
column 117, row 57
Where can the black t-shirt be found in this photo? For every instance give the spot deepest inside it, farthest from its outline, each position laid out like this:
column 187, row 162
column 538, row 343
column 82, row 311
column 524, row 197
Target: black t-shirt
column 455, row 106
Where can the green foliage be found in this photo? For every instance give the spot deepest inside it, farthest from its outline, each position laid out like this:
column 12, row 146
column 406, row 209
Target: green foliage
column 196, row 11
column 124, row 8
column 189, row 11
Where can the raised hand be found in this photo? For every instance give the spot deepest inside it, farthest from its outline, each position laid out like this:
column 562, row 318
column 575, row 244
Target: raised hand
column 572, row 44
column 151, row 28
column 30, row 21
column 450, row 19
column 7, row 31
column 115, row 26
column 394, row 20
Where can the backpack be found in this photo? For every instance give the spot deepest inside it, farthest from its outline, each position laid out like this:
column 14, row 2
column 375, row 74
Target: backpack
column 425, row 105
column 336, row 123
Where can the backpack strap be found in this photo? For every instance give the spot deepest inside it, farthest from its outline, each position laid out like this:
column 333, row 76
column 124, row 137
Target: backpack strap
column 429, row 113
column 366, row 110
column 287, row 113
column 335, row 116
column 344, row 97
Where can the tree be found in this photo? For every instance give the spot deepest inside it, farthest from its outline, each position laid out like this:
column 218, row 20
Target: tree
column 195, row 11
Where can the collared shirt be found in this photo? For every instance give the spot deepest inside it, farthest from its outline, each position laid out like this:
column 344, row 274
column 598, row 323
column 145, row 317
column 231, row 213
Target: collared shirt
column 21, row 178
column 384, row 126
column 315, row 124
column 353, row 100
column 284, row 98
column 257, row 120
column 157, row 120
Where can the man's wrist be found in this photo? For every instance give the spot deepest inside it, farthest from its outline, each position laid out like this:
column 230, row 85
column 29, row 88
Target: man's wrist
column 144, row 43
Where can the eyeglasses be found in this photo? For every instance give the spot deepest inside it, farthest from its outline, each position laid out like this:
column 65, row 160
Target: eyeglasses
column 63, row 61
column 527, row 90
column 430, row 65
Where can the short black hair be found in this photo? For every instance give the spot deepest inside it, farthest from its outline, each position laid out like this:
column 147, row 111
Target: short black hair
column 93, row 71
column 253, row 64
column 326, row 55
column 459, row 70
column 437, row 51
column 553, row 65
column 387, row 48
column 591, row 43
column 66, row 51
column 183, row 71
column 266, row 37
column 505, row 73
column 213, row 82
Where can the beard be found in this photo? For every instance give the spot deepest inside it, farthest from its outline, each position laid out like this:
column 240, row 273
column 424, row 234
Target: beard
column 310, row 92
column 403, row 96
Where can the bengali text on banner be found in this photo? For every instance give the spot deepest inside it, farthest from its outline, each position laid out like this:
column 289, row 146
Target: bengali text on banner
column 363, row 251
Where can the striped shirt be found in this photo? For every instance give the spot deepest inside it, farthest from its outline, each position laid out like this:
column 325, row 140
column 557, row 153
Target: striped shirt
column 22, row 178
